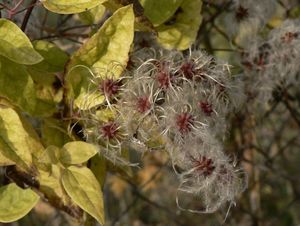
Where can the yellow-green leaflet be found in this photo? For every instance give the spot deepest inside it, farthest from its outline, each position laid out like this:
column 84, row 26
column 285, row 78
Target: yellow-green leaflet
column 50, row 184
column 160, row 11
column 50, row 155
column 183, row 32
column 93, row 15
column 15, row 45
column 54, row 133
column 16, row 143
column 15, row 202
column 98, row 167
column 77, row 152
column 17, row 85
column 84, row 189
column 54, row 58
column 70, row 6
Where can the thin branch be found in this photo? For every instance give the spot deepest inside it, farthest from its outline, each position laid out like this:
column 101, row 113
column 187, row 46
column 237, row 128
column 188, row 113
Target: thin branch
column 43, row 22
column 171, row 214
column 284, row 147
column 132, row 204
column 64, row 20
column 28, row 14
column 292, row 111
column 141, row 196
column 65, row 35
column 76, row 27
column 124, row 212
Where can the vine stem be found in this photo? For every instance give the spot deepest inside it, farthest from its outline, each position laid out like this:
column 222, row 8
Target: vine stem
column 28, row 14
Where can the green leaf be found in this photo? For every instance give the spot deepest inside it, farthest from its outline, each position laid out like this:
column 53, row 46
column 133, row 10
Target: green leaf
column 54, row 58
column 93, row 15
column 77, row 152
column 18, row 87
column 110, row 44
column 84, row 189
column 15, row 202
column 70, row 6
column 183, row 32
column 160, row 11
column 15, row 142
column 15, row 45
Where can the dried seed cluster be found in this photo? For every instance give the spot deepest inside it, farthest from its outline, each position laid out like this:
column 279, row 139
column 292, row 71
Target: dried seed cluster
column 273, row 63
column 178, row 103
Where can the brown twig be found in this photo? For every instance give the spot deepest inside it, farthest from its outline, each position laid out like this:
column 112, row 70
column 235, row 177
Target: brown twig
column 292, row 111
column 65, row 35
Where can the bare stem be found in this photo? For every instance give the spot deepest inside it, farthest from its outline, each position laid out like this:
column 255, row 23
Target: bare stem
column 28, row 14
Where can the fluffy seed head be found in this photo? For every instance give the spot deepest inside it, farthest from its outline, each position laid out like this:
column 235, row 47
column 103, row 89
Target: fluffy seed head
column 206, row 107
column 188, row 70
column 241, row 13
column 289, row 37
column 203, row 165
column 184, row 122
column 143, row 104
column 164, row 79
column 109, row 130
column 109, row 87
